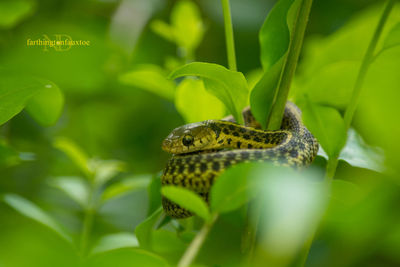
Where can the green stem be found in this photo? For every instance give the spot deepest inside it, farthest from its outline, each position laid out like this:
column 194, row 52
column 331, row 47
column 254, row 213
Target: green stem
column 230, row 44
column 194, row 247
column 351, row 108
column 88, row 222
column 289, row 68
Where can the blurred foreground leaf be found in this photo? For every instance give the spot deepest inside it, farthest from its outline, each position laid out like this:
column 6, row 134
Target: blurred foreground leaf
column 150, row 78
column 234, row 187
column 126, row 257
column 115, row 241
column 195, row 104
column 228, row 86
column 32, row 211
column 293, row 204
column 187, row 200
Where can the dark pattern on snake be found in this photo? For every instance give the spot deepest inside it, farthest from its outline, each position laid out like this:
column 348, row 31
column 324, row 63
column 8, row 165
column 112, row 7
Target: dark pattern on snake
column 201, row 151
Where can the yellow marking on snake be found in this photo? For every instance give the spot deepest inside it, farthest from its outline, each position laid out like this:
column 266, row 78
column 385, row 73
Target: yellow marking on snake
column 202, row 151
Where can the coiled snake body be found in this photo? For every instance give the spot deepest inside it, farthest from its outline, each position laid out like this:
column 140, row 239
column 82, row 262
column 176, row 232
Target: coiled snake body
column 205, row 149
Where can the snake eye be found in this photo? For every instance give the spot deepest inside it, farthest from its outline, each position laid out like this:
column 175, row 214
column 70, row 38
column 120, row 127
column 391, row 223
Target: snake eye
column 187, row 140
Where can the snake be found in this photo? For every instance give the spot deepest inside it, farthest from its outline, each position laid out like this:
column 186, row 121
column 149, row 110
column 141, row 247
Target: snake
column 201, row 151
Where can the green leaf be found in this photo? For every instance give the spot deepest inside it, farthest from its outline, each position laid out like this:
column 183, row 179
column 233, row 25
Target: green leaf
column 234, row 187
column 274, row 35
column 104, row 170
column 337, row 78
column 126, row 257
column 32, row 211
column 46, row 106
column 187, row 24
column 75, row 153
column 163, row 29
column 150, row 78
column 263, row 93
column 8, row 156
column 293, row 203
column 144, row 231
column 186, row 29
column 115, row 241
column 167, row 242
column 75, row 187
column 393, row 38
column 228, row 86
column 126, row 185
column 13, row 12
column 154, row 190
column 195, row 104
column 187, row 200
column 43, row 99
column 327, row 125
column 359, row 154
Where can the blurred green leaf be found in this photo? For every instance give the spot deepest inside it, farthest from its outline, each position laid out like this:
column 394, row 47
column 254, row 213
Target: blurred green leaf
column 327, row 125
column 274, row 35
column 195, row 104
column 293, row 204
column 126, row 185
column 234, row 187
column 150, row 78
column 32, row 211
column 75, row 187
column 43, row 99
column 359, row 154
column 75, row 153
column 13, row 12
column 144, row 231
column 330, row 85
column 263, row 94
column 104, row 170
column 154, row 190
column 163, row 29
column 8, row 156
column 187, row 24
column 186, row 28
column 393, row 38
column 348, row 43
column 187, row 200
column 168, row 242
column 46, row 106
column 228, row 86
column 126, row 257
column 115, row 241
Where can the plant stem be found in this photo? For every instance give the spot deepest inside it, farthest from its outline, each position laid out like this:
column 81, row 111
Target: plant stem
column 230, row 44
column 351, row 108
column 194, row 247
column 289, row 68
column 88, row 222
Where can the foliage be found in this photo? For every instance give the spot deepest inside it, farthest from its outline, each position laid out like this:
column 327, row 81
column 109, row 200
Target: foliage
column 81, row 131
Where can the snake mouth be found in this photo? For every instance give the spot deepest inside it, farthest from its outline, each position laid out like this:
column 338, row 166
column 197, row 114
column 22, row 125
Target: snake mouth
column 205, row 151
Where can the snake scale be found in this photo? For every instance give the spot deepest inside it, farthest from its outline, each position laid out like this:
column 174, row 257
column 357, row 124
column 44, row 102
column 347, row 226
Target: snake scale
column 201, row 151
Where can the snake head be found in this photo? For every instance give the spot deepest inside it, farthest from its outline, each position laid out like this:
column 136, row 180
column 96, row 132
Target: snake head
column 188, row 138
